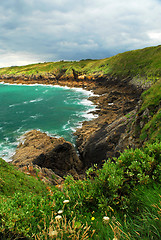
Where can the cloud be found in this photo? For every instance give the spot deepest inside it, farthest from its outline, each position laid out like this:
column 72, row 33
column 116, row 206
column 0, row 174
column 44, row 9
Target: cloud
column 155, row 36
column 17, row 58
column 50, row 30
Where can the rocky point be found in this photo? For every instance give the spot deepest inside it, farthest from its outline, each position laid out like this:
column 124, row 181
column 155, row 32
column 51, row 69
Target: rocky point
column 40, row 151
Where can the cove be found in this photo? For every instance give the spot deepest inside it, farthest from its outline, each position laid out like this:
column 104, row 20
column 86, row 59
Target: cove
column 55, row 110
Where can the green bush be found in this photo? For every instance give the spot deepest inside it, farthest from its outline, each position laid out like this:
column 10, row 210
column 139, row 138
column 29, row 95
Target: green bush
column 112, row 184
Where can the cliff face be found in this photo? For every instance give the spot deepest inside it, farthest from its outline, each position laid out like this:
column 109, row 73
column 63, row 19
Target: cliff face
column 100, row 138
column 59, row 79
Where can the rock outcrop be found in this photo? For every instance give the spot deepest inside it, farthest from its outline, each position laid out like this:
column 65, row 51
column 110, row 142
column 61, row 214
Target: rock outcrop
column 102, row 143
column 39, row 149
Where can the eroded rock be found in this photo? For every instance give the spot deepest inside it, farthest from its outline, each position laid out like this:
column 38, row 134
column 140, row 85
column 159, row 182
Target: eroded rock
column 102, row 143
column 44, row 151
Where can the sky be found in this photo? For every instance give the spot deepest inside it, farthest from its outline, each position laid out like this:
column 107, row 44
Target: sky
column 33, row 31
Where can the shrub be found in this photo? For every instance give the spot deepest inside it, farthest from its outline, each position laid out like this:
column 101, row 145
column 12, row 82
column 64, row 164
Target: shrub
column 110, row 186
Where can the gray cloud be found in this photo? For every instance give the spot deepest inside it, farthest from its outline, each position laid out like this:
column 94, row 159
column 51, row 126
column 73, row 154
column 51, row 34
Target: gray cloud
column 51, row 30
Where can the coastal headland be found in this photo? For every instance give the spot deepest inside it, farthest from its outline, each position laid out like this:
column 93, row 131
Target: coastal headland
column 118, row 83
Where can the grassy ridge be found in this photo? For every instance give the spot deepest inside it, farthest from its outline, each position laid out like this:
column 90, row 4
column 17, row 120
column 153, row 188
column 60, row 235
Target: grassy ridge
column 142, row 62
column 137, row 63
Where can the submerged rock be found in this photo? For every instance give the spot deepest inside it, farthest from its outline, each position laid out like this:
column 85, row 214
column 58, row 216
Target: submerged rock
column 47, row 152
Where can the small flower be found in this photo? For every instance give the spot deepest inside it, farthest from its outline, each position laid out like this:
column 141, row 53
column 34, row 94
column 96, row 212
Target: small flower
column 58, row 217
column 106, row 219
column 66, row 201
column 93, row 218
column 53, row 233
column 60, row 211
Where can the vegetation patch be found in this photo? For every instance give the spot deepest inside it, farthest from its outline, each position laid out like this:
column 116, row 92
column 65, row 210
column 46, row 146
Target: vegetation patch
column 13, row 181
column 152, row 107
column 122, row 199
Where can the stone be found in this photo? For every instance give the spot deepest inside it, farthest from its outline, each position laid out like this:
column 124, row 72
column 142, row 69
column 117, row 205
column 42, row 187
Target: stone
column 39, row 149
column 102, row 143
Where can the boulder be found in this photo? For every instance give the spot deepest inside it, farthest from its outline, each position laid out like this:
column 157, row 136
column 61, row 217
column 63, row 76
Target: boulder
column 38, row 148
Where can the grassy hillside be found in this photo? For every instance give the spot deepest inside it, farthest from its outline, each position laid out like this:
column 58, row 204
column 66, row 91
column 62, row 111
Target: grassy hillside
column 12, row 181
column 151, row 113
column 142, row 63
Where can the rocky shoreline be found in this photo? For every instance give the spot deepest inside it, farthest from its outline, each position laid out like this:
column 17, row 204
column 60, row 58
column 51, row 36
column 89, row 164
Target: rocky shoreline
column 97, row 140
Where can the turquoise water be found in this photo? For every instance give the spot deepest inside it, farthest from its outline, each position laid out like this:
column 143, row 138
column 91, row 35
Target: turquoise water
column 57, row 111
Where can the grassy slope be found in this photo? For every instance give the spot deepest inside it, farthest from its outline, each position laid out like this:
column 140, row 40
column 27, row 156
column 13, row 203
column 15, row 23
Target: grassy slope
column 142, row 62
column 12, row 181
column 152, row 103
column 128, row 192
column 138, row 63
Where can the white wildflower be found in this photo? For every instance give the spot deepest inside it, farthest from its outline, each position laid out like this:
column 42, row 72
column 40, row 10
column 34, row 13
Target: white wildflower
column 58, row 217
column 66, row 201
column 106, row 219
column 53, row 233
column 60, row 211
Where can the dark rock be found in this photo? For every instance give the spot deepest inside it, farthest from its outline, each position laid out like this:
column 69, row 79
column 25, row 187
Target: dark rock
column 102, row 144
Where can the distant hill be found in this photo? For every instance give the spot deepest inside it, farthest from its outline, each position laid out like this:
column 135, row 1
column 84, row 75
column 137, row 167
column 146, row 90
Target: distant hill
column 143, row 63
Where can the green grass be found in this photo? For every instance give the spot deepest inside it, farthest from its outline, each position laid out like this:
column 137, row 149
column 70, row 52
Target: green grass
column 142, row 62
column 145, row 213
column 152, row 103
column 152, row 97
column 12, row 181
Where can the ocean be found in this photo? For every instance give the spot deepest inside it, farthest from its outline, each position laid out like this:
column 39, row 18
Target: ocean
column 56, row 110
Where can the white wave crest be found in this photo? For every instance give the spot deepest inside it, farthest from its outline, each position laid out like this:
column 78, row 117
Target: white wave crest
column 86, row 102
column 36, row 100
